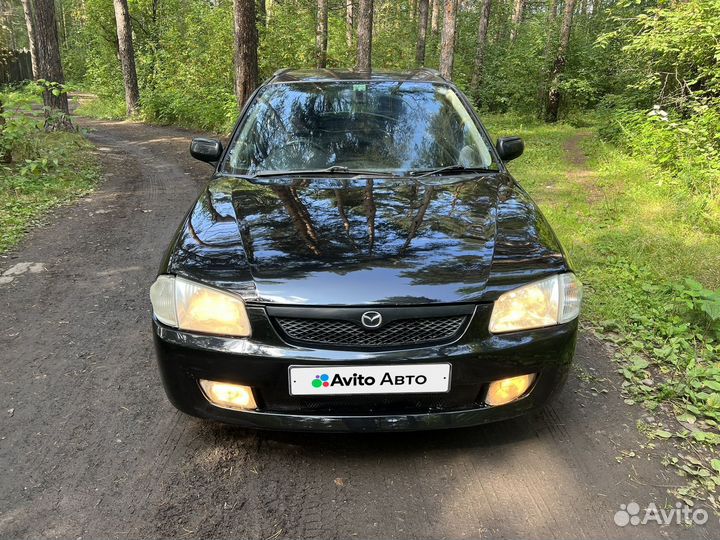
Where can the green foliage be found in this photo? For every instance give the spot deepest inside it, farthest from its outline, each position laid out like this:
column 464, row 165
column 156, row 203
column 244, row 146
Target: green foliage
column 624, row 59
column 670, row 109
column 13, row 19
column 395, row 37
column 674, row 48
column 187, row 69
column 516, row 73
column 47, row 169
column 289, row 38
column 687, row 146
column 703, row 304
column 19, row 132
column 105, row 108
column 184, row 54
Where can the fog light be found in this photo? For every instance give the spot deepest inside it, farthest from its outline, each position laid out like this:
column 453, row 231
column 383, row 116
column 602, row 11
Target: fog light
column 507, row 390
column 228, row 396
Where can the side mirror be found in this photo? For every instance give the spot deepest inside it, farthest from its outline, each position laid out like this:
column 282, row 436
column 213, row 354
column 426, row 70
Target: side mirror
column 510, row 147
column 208, row 150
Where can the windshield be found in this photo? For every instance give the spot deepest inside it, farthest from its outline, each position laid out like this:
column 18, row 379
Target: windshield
column 386, row 127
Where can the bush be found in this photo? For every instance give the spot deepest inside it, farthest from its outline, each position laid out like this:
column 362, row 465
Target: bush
column 689, row 147
column 105, row 108
column 18, row 136
column 47, row 169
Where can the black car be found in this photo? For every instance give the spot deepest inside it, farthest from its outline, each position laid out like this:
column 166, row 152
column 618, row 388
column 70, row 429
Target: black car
column 361, row 260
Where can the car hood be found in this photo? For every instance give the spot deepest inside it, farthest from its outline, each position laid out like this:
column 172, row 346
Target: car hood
column 361, row 241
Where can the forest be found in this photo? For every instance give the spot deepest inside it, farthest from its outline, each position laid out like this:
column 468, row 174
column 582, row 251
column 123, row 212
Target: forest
column 646, row 71
column 618, row 100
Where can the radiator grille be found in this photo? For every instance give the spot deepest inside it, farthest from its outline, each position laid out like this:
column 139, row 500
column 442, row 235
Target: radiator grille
column 416, row 331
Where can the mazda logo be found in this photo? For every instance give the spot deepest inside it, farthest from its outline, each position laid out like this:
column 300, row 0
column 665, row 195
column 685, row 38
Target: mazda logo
column 371, row 319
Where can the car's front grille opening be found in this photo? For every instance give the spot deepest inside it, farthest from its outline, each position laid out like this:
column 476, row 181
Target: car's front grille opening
column 344, row 333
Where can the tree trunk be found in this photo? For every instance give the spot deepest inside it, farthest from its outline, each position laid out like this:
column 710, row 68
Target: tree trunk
column 553, row 104
column 321, row 33
column 435, row 18
column 480, row 52
column 447, row 43
column 126, row 52
column 49, row 64
column 349, row 19
column 365, row 27
column 246, row 43
column 60, row 23
column 30, row 25
column 543, row 75
column 517, row 16
column 422, row 32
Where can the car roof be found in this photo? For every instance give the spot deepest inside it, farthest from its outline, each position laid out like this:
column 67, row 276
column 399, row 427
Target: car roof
column 326, row 75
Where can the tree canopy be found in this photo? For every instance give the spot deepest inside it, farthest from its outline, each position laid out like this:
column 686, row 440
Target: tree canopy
column 647, row 67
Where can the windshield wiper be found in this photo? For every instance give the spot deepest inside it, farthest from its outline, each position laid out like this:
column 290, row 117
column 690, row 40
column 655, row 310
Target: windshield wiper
column 450, row 169
column 335, row 169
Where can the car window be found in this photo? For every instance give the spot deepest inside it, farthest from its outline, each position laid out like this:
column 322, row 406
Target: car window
column 397, row 127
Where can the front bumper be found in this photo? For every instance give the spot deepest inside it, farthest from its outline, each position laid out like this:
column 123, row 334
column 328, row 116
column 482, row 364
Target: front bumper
column 262, row 362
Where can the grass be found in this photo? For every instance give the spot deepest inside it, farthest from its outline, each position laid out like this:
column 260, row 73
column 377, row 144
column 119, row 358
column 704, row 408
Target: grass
column 47, row 169
column 29, row 189
column 648, row 252
column 103, row 108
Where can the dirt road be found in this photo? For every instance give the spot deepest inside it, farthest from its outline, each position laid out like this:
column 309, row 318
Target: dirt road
column 90, row 447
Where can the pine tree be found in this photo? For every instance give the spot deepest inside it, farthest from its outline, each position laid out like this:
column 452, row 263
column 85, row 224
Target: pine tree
column 126, row 52
column 447, row 43
column 246, row 44
column 553, row 103
column 365, row 28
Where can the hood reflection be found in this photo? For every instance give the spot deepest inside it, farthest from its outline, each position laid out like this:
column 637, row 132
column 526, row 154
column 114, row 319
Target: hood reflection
column 367, row 241
column 363, row 241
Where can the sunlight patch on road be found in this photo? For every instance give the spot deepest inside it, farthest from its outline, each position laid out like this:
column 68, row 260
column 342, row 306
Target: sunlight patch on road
column 19, row 269
column 119, row 271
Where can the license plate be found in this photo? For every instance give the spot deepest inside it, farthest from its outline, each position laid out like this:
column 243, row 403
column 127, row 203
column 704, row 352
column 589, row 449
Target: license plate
column 345, row 380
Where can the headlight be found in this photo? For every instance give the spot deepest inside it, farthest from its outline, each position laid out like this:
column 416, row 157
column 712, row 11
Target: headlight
column 194, row 307
column 550, row 301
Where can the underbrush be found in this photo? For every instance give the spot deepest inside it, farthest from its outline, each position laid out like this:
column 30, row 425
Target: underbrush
column 216, row 111
column 104, row 108
column 686, row 146
column 168, row 107
column 47, row 169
